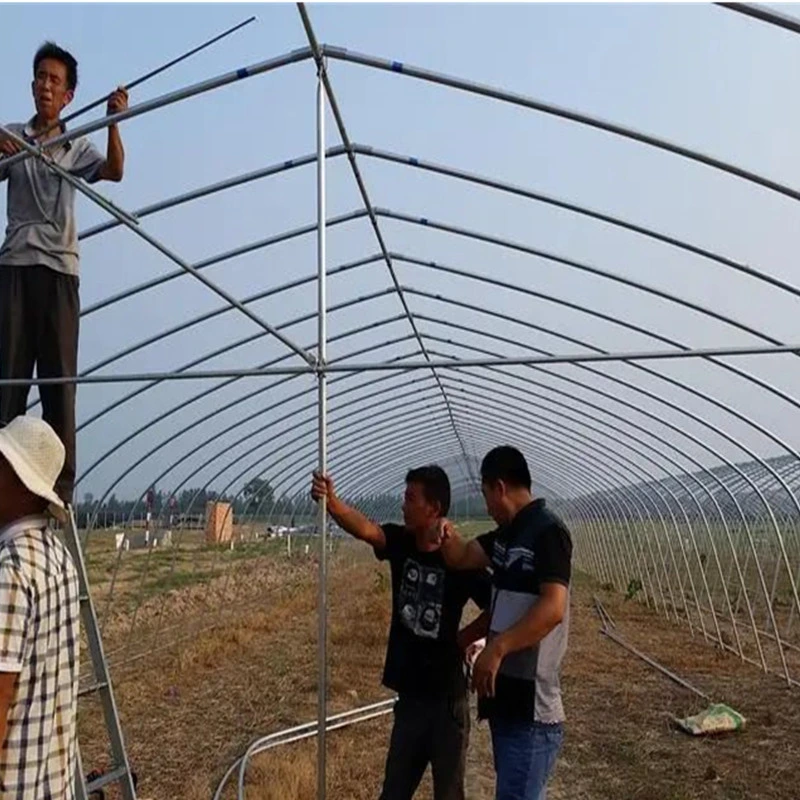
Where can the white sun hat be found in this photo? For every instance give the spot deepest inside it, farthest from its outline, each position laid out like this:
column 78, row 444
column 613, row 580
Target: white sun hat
column 36, row 454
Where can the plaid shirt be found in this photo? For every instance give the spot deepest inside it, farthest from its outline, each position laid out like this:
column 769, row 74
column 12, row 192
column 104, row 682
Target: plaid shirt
column 39, row 630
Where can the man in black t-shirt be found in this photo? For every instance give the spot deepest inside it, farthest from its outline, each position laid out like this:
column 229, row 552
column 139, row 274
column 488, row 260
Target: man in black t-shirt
column 517, row 676
column 424, row 656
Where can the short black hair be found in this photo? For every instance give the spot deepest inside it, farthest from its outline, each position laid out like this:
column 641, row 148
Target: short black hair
column 507, row 464
column 52, row 50
column 435, row 485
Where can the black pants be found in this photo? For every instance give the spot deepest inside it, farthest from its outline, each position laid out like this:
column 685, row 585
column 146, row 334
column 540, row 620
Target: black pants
column 39, row 317
column 426, row 731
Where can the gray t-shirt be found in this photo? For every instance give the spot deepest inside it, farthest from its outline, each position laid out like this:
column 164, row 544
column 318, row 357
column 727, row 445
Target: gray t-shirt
column 41, row 205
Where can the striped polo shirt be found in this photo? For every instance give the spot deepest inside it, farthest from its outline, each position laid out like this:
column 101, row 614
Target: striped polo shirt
column 534, row 548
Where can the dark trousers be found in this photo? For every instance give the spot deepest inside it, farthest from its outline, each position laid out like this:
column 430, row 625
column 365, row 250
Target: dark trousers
column 39, row 317
column 426, row 731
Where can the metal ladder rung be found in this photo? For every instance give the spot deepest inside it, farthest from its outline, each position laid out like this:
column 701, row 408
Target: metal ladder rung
column 106, row 778
column 92, row 688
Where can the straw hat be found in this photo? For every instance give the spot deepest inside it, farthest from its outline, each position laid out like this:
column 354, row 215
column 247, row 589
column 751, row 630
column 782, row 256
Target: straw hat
column 36, row 454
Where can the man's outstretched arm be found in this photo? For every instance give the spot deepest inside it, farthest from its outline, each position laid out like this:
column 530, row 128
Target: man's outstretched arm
column 460, row 554
column 347, row 518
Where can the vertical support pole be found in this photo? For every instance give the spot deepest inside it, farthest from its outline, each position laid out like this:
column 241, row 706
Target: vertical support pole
column 322, row 603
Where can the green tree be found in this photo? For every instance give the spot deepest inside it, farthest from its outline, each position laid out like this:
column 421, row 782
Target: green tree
column 258, row 492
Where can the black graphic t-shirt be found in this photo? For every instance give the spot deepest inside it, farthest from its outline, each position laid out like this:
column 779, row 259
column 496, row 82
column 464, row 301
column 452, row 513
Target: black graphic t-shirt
column 422, row 656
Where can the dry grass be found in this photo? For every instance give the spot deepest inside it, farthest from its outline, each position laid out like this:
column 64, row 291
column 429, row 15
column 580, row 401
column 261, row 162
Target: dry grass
column 621, row 740
column 187, row 715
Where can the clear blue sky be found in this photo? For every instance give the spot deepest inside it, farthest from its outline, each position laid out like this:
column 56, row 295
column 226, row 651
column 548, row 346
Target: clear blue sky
column 696, row 74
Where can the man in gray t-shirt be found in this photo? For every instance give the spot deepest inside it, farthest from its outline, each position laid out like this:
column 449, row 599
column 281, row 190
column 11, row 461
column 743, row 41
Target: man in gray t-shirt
column 39, row 305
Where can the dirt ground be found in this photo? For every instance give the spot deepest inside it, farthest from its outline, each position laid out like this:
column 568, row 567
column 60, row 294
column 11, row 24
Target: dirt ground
column 187, row 715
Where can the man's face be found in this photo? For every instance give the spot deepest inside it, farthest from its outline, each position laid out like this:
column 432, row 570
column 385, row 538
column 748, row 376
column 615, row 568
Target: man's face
column 9, row 483
column 51, row 94
column 493, row 497
column 419, row 515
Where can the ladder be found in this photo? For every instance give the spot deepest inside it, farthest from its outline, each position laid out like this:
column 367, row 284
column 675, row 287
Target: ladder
column 120, row 771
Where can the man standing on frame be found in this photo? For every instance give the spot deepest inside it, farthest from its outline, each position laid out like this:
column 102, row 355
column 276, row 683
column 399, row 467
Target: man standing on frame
column 425, row 653
column 517, row 676
column 39, row 304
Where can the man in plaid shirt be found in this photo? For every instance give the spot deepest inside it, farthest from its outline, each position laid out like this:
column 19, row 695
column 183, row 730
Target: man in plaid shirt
column 39, row 621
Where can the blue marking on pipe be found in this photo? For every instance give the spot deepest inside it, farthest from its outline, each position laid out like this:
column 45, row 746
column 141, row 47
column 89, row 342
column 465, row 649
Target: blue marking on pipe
column 413, row 161
column 242, row 73
column 397, row 66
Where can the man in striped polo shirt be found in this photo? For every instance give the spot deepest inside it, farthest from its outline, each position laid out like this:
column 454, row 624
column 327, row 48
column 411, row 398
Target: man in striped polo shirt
column 517, row 676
